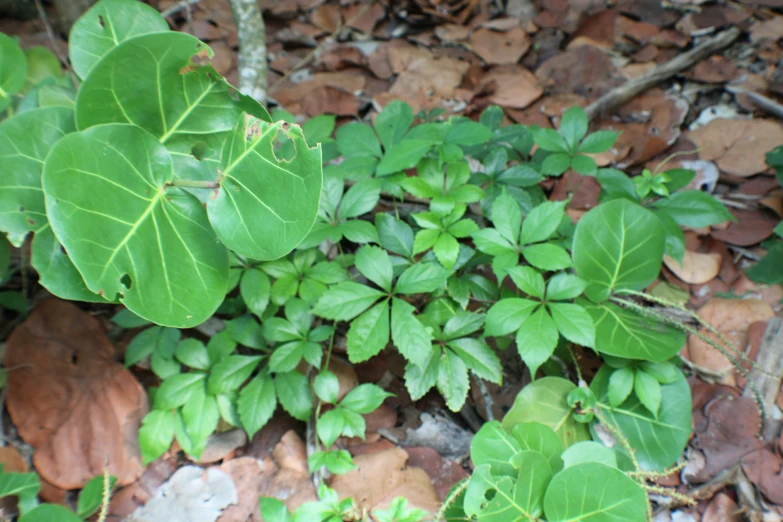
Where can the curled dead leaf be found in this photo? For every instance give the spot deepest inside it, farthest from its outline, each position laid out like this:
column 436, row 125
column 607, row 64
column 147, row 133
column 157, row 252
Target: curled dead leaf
column 71, row 400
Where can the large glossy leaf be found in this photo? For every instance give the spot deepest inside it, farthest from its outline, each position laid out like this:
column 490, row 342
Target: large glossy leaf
column 594, row 492
column 658, row 441
column 160, row 82
column 130, row 234
column 266, row 205
column 13, row 70
column 25, row 140
column 544, row 401
column 625, row 333
column 617, row 245
column 55, row 269
column 104, row 26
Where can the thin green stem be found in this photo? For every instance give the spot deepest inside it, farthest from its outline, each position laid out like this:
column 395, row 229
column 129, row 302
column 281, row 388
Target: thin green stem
column 193, row 183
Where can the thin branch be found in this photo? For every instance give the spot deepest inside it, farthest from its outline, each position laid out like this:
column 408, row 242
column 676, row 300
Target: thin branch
column 659, row 73
column 50, row 34
column 251, row 35
column 185, row 4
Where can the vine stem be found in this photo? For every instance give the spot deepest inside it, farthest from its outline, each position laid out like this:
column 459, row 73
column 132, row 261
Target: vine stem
column 193, row 183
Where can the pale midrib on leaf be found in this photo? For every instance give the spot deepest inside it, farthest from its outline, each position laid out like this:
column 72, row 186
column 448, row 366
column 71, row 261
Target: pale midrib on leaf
column 132, row 231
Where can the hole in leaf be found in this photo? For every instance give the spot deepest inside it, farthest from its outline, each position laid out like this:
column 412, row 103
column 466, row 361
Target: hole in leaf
column 283, row 147
column 101, row 21
column 74, row 358
column 198, row 150
column 21, row 208
column 126, row 281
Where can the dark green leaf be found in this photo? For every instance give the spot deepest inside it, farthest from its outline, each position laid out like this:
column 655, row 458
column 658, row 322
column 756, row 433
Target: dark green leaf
column 599, row 141
column 255, row 289
column 573, row 126
column 374, row 264
column 357, row 139
column 50, row 513
column 479, row 358
column 369, row 333
column 421, row 278
column 620, row 385
column 231, row 372
column 256, row 404
column 648, row 391
column 178, row 389
column 393, row 122
column 156, row 434
column 410, row 336
column 537, row 339
column 694, row 208
column 91, row 496
column 360, row 199
column 293, row 391
column 395, row 235
column 574, row 323
column 547, row 256
column 404, row 155
column 345, row 301
column 507, row 315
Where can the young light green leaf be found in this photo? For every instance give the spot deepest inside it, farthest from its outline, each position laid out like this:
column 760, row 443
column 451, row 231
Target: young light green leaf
column 24, row 486
column 178, row 389
column 507, row 315
column 550, row 140
column 479, row 358
column 255, row 289
column 574, row 323
column 231, row 372
column 395, row 235
column 393, row 122
column 50, row 513
column 410, row 336
column 537, row 339
column 494, row 446
column 620, row 385
column 287, row 356
column 420, row 379
column 329, row 426
column 528, row 279
column 360, row 199
column 462, row 324
column 648, row 390
column 446, row 250
column 358, row 140
column 364, row 399
column 156, row 434
column 542, row 222
column 555, row 164
column 14, row 70
column 404, row 155
column 663, row 372
column 421, row 278
column 547, row 256
column 200, row 416
column 584, row 165
column 598, row 141
column 369, row 333
column 274, row 510
column 507, row 217
column 91, row 496
column 562, row 287
column 326, row 386
column 256, row 404
column 589, row 451
column 293, row 391
column 345, row 301
column 573, row 126
column 535, row 436
column 374, row 264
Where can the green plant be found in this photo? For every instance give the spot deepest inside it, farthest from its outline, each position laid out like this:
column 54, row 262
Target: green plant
column 194, row 203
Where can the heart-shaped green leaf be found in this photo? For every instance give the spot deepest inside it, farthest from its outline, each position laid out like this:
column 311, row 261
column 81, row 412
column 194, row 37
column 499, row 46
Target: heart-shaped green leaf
column 266, row 205
column 130, row 234
column 617, row 245
column 104, row 26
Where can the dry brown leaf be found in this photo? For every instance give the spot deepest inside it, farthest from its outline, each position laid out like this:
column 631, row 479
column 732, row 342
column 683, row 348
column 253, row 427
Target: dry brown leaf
column 715, row 69
column 326, row 17
column 696, row 268
column 346, row 376
column 221, row 445
column 452, row 33
column 765, row 470
column 71, row 400
column 722, row 509
column 738, row 146
column 584, row 70
column 381, row 476
column 751, row 227
column 443, row 473
column 419, row 71
column 498, row 48
column 771, row 29
column 511, row 86
column 731, row 317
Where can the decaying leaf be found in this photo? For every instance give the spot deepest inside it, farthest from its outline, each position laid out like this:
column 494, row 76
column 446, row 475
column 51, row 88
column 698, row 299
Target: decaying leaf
column 496, row 47
column 71, row 400
column 738, row 146
column 511, row 86
column 731, row 317
column 381, row 476
column 696, row 268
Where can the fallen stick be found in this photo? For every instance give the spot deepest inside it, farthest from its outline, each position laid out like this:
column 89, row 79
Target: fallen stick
column 659, row 73
column 768, row 372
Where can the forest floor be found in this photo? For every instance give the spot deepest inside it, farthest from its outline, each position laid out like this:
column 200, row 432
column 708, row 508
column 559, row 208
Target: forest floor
column 721, row 115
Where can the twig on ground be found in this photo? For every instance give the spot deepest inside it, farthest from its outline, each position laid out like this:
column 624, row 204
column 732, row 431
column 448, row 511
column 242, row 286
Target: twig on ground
column 656, row 75
column 488, row 402
column 768, row 372
column 251, row 35
column 185, row 4
column 764, row 103
column 50, row 35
